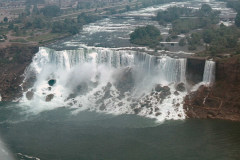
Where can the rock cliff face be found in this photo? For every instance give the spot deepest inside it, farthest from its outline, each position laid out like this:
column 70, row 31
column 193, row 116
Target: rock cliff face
column 222, row 100
column 13, row 62
column 195, row 69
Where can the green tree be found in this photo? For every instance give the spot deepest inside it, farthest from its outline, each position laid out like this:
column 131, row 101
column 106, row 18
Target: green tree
column 51, row 11
column 237, row 20
column 16, row 30
column 38, row 23
column 11, row 26
column 206, row 9
column 35, row 9
column 5, row 19
column 207, row 36
column 128, row 8
column 148, row 35
column 182, row 42
column 168, row 39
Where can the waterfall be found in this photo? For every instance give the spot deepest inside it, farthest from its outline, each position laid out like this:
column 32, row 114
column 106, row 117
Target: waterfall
column 209, row 72
column 106, row 80
column 168, row 69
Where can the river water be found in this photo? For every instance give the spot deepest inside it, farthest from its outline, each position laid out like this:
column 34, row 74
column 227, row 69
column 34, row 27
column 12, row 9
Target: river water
column 57, row 134
column 94, row 97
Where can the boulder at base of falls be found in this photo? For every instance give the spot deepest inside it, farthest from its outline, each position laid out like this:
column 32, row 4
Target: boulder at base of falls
column 166, row 92
column 49, row 97
column 158, row 88
column 166, row 89
column 180, row 87
column 163, row 94
column 125, row 81
column 29, row 95
column 102, row 107
column 51, row 82
column 137, row 110
column 176, row 93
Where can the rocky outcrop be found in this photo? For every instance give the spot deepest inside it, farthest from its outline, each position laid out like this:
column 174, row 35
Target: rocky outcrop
column 222, row 100
column 13, row 62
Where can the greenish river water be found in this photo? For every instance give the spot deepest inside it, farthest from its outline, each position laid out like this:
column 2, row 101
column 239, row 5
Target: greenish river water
column 58, row 134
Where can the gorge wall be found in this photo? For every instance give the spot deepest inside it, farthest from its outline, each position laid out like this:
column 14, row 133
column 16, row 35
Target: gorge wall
column 222, row 100
column 13, row 62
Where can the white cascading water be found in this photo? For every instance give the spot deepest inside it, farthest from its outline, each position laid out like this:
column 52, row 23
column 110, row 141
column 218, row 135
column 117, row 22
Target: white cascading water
column 106, row 80
column 209, row 72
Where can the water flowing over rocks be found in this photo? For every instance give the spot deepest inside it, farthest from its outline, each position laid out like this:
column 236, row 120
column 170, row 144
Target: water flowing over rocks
column 107, row 80
column 180, row 87
column 125, row 81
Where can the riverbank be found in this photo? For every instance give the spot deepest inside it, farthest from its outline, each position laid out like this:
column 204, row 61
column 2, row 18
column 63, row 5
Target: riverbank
column 222, row 99
column 14, row 61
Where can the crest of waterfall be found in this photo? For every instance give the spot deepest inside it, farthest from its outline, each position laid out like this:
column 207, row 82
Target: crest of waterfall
column 106, row 80
column 209, row 72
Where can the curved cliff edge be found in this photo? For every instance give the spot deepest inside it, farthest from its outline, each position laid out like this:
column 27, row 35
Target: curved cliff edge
column 222, row 99
column 13, row 61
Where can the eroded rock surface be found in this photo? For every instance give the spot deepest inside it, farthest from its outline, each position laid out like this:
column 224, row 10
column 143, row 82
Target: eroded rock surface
column 13, row 62
column 222, row 100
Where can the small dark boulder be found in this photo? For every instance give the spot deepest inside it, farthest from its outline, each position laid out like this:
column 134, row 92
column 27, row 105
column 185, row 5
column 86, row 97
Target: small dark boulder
column 180, row 87
column 176, row 93
column 158, row 88
column 102, row 107
column 51, row 82
column 163, row 95
column 49, row 97
column 137, row 110
column 30, row 95
column 166, row 89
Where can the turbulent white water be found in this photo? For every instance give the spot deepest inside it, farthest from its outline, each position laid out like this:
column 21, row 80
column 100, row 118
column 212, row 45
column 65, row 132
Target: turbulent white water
column 209, row 72
column 107, row 80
